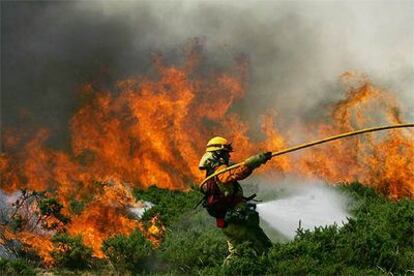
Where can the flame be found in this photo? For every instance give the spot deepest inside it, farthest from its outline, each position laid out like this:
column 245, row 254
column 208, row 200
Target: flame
column 380, row 160
column 104, row 216
column 156, row 231
column 152, row 129
column 38, row 242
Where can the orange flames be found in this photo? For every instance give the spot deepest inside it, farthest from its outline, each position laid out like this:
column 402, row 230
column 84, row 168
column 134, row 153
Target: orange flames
column 153, row 129
column 105, row 216
column 38, row 242
column 381, row 160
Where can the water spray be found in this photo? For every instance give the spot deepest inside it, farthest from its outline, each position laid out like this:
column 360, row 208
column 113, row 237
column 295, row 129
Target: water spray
column 313, row 143
column 304, row 205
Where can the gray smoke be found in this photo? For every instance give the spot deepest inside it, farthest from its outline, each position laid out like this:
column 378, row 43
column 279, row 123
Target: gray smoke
column 296, row 51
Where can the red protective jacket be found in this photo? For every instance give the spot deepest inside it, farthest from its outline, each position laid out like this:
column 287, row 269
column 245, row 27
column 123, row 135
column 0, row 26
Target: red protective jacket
column 229, row 192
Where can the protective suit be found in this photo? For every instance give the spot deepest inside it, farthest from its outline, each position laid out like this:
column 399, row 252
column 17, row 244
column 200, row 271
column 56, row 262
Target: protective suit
column 224, row 199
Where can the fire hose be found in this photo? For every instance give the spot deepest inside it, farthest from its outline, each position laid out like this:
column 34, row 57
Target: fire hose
column 311, row 144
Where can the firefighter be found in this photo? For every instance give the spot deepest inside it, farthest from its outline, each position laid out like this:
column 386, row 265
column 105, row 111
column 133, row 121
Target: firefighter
column 224, row 199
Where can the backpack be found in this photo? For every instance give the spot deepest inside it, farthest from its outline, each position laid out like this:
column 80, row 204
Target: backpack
column 214, row 200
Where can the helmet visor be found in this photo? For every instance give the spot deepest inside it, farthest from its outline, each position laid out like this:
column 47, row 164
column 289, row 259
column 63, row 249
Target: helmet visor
column 218, row 147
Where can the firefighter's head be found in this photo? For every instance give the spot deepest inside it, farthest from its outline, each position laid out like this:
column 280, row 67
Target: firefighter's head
column 218, row 151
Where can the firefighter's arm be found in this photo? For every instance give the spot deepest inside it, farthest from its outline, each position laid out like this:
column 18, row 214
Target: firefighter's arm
column 245, row 169
column 235, row 174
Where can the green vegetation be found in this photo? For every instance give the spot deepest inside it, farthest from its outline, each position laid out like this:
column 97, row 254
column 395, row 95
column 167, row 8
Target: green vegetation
column 76, row 206
column 169, row 205
column 70, row 252
column 379, row 239
column 15, row 267
column 51, row 207
column 192, row 244
column 127, row 253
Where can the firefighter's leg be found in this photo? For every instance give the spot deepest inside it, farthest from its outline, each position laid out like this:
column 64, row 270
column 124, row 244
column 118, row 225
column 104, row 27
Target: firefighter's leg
column 238, row 234
column 235, row 234
column 260, row 242
column 254, row 233
column 246, row 228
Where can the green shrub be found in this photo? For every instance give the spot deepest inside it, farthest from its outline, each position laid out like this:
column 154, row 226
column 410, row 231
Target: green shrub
column 70, row 252
column 193, row 243
column 169, row 205
column 15, row 267
column 128, row 253
column 76, row 206
column 247, row 263
column 50, row 207
column 189, row 250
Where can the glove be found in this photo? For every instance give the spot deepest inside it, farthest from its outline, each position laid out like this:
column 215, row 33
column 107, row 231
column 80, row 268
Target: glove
column 255, row 161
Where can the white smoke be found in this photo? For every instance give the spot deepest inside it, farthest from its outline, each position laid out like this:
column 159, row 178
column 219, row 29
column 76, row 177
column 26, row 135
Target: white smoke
column 309, row 204
column 138, row 211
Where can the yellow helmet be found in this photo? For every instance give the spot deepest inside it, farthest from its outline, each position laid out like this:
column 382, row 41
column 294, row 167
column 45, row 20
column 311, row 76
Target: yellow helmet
column 218, row 143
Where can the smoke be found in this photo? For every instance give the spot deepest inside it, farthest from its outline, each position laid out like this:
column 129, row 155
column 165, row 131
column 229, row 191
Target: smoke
column 138, row 212
column 296, row 51
column 6, row 201
column 307, row 205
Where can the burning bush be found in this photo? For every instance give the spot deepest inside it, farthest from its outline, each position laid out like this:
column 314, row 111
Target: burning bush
column 27, row 223
column 50, row 207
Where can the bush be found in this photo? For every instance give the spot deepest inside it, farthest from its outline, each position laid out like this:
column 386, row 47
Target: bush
column 15, row 267
column 76, row 206
column 248, row 263
column 70, row 252
column 50, row 207
column 128, row 253
column 191, row 241
column 194, row 249
column 169, row 205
